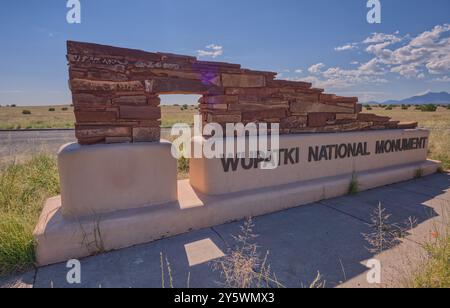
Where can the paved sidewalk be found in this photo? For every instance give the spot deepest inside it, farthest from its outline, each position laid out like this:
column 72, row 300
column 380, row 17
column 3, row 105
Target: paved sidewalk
column 323, row 237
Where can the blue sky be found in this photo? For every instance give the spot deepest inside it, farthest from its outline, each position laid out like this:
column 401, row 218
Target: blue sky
column 328, row 42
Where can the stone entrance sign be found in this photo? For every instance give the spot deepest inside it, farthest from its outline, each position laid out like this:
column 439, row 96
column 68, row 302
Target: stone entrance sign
column 115, row 95
column 309, row 157
column 119, row 184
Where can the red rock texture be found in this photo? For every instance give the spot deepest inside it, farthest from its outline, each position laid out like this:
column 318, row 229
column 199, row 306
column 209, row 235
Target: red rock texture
column 115, row 95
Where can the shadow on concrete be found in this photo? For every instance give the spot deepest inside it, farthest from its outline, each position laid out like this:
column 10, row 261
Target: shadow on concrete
column 324, row 237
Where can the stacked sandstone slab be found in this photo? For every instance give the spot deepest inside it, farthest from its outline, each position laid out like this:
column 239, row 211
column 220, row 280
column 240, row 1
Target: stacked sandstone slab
column 115, row 96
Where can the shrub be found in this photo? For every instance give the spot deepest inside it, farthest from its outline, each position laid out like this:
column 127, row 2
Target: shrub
column 183, row 166
column 64, row 109
column 51, row 109
column 448, row 107
column 428, row 108
column 435, row 273
column 405, row 107
column 13, row 106
column 389, row 108
column 26, row 112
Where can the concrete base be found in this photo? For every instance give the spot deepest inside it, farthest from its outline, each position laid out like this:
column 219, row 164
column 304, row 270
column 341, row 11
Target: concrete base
column 59, row 239
column 104, row 178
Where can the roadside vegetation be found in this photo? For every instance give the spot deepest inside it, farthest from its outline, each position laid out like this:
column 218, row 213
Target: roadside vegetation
column 437, row 122
column 430, row 271
column 23, row 189
column 44, row 117
column 436, row 271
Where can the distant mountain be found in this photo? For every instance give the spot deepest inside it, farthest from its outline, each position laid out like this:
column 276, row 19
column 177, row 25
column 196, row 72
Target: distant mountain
column 428, row 98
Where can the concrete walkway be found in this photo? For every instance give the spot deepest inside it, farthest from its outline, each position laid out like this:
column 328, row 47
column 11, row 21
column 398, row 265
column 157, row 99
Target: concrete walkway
column 323, row 237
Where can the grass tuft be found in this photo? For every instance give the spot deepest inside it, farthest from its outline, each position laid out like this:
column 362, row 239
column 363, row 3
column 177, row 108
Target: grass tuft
column 353, row 188
column 418, row 173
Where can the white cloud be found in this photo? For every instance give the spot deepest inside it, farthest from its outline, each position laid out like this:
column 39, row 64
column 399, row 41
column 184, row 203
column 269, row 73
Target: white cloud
column 427, row 52
column 299, row 71
column 442, row 79
column 212, row 51
column 346, row 47
column 411, row 57
column 376, row 38
column 316, row 68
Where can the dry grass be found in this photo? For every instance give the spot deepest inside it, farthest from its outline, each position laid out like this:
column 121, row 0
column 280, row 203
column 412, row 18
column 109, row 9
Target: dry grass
column 426, row 267
column 173, row 114
column 435, row 273
column 243, row 266
column 41, row 117
column 438, row 122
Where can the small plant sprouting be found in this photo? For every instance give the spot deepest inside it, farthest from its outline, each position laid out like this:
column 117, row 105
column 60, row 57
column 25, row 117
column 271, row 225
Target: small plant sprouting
column 243, row 267
column 354, row 185
column 383, row 235
column 418, row 173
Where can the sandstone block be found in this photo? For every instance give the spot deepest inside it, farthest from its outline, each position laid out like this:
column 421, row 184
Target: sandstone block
column 243, row 81
column 176, row 86
column 131, row 100
column 287, row 83
column 224, row 118
column 214, row 106
column 88, row 134
column 294, row 122
column 346, row 116
column 262, row 92
column 95, row 116
column 407, row 125
column 320, row 119
column 89, row 100
column 263, row 114
column 372, row 117
column 107, row 86
column 256, row 107
column 146, row 134
column 318, row 107
column 140, row 112
column 221, row 99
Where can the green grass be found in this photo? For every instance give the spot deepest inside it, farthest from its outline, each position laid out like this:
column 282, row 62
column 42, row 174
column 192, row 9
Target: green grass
column 23, row 190
column 353, row 188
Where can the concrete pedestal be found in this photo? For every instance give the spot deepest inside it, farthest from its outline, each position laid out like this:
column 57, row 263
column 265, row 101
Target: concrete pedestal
column 100, row 179
column 61, row 236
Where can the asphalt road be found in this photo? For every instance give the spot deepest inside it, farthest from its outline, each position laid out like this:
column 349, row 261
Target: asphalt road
column 21, row 144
